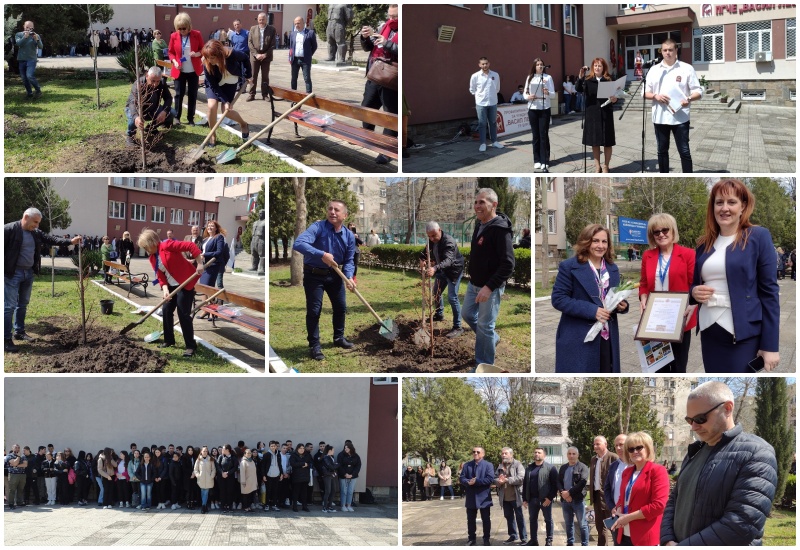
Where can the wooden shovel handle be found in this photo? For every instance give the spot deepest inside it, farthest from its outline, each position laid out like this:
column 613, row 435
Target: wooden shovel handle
column 274, row 122
column 174, row 292
column 360, row 297
column 222, row 117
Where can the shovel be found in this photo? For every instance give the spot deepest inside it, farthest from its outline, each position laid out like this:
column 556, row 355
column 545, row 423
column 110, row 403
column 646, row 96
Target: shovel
column 153, row 336
column 195, row 154
column 388, row 329
column 230, row 154
column 164, row 301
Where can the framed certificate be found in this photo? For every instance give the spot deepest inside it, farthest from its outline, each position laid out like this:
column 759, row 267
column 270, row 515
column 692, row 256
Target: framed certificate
column 665, row 317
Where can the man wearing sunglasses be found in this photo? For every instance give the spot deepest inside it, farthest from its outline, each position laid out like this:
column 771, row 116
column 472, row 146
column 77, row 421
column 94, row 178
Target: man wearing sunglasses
column 476, row 478
column 727, row 479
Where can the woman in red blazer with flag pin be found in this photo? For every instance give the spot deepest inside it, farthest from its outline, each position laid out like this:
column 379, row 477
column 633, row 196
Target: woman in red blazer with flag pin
column 668, row 266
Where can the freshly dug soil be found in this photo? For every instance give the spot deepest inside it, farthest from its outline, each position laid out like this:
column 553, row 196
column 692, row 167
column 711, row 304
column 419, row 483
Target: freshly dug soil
column 403, row 355
column 108, row 153
column 106, row 351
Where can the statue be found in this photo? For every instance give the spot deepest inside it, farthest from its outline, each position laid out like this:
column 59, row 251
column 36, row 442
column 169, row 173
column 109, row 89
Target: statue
column 339, row 16
column 258, row 243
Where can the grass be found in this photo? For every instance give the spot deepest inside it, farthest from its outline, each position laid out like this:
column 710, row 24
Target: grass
column 66, row 303
column 781, row 528
column 58, row 125
column 391, row 294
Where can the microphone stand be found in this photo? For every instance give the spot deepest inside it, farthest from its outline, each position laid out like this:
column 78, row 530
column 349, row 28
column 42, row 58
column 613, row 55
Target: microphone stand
column 583, row 119
column 536, row 91
column 643, row 82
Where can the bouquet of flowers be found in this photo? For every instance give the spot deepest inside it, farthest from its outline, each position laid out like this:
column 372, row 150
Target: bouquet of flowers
column 614, row 297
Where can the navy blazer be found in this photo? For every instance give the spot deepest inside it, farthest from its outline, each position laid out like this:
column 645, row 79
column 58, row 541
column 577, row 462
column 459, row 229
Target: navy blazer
column 237, row 63
column 608, row 484
column 480, row 494
column 215, row 249
column 309, row 44
column 753, row 285
column 576, row 296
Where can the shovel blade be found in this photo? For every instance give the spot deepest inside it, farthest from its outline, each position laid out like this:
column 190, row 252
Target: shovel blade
column 226, row 156
column 129, row 328
column 153, row 336
column 193, row 156
column 388, row 329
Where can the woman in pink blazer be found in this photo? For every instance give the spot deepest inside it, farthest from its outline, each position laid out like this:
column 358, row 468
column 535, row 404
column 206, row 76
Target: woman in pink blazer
column 643, row 494
column 668, row 266
column 185, row 52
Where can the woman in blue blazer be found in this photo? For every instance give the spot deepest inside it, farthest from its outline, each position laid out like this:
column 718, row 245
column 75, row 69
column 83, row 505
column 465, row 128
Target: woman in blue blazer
column 226, row 70
column 735, row 283
column 578, row 292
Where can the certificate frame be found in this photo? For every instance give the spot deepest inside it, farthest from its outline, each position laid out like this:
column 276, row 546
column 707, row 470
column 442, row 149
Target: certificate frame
column 657, row 301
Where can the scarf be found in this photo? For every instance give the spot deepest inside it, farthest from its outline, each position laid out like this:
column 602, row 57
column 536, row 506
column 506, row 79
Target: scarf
column 389, row 32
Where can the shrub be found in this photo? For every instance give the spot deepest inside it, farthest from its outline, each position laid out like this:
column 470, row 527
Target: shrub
column 92, row 261
column 790, row 492
column 127, row 60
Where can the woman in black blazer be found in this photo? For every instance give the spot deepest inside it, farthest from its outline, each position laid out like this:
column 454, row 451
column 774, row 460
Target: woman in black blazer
column 735, row 283
column 598, row 130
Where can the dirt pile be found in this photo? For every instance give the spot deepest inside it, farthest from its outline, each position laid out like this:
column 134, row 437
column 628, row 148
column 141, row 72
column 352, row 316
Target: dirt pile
column 108, row 153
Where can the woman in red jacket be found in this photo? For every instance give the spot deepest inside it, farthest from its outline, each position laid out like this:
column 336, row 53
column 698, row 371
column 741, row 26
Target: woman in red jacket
column 643, row 494
column 668, row 266
column 172, row 269
column 185, row 52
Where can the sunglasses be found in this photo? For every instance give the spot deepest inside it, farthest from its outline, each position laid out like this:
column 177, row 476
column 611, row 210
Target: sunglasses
column 664, row 231
column 701, row 418
column 637, row 449
column 476, row 452
column 182, row 29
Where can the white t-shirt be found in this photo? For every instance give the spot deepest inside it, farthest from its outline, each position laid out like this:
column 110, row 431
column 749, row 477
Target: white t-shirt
column 485, row 88
column 186, row 51
column 678, row 82
column 298, row 44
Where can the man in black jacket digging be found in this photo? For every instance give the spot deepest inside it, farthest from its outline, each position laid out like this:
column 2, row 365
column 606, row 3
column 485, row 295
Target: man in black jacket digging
column 23, row 242
column 156, row 105
column 447, row 268
column 491, row 263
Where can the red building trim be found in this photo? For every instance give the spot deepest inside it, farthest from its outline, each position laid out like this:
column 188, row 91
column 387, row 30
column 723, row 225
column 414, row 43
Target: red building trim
column 382, row 455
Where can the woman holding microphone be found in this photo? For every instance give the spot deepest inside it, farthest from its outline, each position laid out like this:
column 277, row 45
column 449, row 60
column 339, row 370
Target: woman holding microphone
column 599, row 127
column 668, row 266
column 735, row 283
column 538, row 89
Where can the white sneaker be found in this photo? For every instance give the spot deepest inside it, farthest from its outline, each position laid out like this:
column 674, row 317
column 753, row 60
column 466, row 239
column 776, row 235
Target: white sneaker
column 275, row 509
column 536, row 165
column 482, row 148
column 332, row 510
column 178, row 506
column 497, row 145
column 350, row 509
column 239, row 506
column 121, row 504
column 544, row 168
column 139, row 507
column 174, row 506
column 344, row 508
column 287, row 503
column 441, row 498
column 452, row 498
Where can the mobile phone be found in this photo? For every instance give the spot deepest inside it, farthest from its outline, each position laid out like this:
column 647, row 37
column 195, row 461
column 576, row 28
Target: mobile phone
column 757, row 364
column 608, row 522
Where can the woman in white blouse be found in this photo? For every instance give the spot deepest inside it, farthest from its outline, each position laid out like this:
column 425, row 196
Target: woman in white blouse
column 538, row 90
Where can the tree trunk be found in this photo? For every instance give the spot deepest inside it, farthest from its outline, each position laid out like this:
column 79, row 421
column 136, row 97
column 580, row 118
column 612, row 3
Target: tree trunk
column 299, row 185
column 285, row 241
column 545, row 240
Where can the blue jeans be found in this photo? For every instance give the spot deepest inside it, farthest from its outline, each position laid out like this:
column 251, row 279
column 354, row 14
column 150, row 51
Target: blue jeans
column 316, row 286
column 132, row 118
column 513, row 513
column 26, row 71
column 346, row 487
column 569, row 102
column 578, row 508
column 449, row 487
column 439, row 284
column 204, row 496
column 100, row 491
column 296, row 65
column 681, row 133
column 481, row 318
column 487, row 115
column 579, row 101
column 15, row 306
column 533, row 512
column 147, row 494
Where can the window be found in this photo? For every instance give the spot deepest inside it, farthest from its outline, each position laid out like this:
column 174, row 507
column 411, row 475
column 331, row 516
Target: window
column 214, row 6
column 361, row 206
column 256, row 7
column 159, row 213
column 187, row 189
column 551, row 221
column 653, row 400
column 651, row 382
column 193, row 218
column 547, row 409
column 571, row 19
column 669, row 418
column 229, row 182
column 142, row 183
column 384, row 380
column 116, row 210
column 275, row 7
column 707, row 45
column 540, row 16
column 176, row 216
column 117, row 180
column 236, row 6
column 751, row 38
column 210, row 216
column 190, row 5
column 154, row 184
column 176, row 187
column 139, row 212
column 382, row 193
column 165, row 185
column 669, row 401
column 501, row 10
column 791, row 38
column 549, row 429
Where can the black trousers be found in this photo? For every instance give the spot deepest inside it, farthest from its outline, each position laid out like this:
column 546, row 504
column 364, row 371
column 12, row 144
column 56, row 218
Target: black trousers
column 299, row 493
column 375, row 97
column 183, row 302
column 31, row 484
column 226, row 490
column 83, row 487
column 273, row 483
column 472, row 524
column 108, row 492
column 186, row 85
column 540, row 127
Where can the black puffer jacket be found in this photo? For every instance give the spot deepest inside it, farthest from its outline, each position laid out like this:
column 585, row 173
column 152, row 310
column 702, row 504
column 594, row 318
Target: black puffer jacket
column 734, row 493
column 491, row 256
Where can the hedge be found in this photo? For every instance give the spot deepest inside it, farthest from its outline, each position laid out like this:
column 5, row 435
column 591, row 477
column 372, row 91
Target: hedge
column 406, row 256
column 790, row 492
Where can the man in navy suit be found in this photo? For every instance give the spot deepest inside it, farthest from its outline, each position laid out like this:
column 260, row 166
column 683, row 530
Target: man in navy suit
column 477, row 477
column 614, row 476
column 302, row 45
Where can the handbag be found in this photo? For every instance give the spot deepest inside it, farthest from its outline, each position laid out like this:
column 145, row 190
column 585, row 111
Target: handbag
column 383, row 72
column 71, row 476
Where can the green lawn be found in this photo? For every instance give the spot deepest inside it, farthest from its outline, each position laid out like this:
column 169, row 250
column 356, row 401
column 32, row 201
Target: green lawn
column 393, row 295
column 65, row 128
column 63, row 311
column 781, row 528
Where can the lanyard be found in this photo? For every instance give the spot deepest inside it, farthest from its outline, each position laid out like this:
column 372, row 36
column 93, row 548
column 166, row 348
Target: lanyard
column 662, row 271
column 603, row 288
column 184, row 41
column 634, row 477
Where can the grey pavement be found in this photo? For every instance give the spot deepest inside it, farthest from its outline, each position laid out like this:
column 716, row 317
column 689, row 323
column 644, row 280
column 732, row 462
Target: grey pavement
column 241, row 343
column 313, row 149
column 759, row 139
column 444, row 523
column 546, row 319
column 55, row 526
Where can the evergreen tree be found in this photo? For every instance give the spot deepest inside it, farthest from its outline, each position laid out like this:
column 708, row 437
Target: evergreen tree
column 774, row 209
column 59, row 24
column 584, row 209
column 23, row 193
column 519, row 428
column 506, row 198
column 772, row 405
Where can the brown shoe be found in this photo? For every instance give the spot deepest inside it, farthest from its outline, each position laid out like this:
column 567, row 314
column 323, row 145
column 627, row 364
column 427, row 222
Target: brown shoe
column 251, row 97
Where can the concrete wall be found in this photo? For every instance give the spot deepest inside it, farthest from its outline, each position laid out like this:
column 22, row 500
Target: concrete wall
column 88, row 208
column 134, row 16
column 91, row 412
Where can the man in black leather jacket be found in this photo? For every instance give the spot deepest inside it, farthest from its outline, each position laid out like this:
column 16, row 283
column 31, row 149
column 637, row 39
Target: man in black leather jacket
column 447, row 268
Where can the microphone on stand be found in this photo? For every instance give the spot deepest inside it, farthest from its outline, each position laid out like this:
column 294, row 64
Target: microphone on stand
column 656, row 61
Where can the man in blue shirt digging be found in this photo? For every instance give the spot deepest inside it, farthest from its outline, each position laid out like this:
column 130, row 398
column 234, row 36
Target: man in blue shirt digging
column 325, row 244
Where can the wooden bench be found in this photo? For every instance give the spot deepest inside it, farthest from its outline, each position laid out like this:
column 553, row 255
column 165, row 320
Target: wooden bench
column 123, row 274
column 222, row 311
column 310, row 118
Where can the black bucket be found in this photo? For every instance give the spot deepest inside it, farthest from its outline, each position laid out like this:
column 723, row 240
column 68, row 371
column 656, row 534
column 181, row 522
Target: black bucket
column 107, row 307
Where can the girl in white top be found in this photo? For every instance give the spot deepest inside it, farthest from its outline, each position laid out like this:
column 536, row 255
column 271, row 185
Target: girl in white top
column 538, row 90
